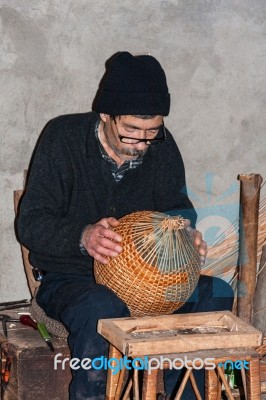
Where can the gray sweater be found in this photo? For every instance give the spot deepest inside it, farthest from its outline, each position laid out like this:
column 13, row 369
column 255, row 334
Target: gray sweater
column 70, row 185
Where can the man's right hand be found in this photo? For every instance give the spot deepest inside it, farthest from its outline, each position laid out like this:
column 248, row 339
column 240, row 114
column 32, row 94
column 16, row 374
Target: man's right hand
column 101, row 241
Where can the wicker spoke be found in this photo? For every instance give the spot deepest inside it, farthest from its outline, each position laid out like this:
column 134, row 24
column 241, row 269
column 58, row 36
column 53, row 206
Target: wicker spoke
column 226, row 385
column 183, row 384
column 127, row 391
column 112, row 379
column 195, row 387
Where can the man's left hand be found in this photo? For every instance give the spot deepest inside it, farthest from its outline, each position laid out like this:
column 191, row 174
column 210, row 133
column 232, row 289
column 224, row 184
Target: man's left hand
column 198, row 242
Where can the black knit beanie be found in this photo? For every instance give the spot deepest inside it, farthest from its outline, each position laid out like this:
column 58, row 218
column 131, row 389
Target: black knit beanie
column 133, row 85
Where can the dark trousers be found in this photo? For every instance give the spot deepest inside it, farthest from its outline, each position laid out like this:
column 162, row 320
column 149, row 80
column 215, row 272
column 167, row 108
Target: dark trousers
column 79, row 303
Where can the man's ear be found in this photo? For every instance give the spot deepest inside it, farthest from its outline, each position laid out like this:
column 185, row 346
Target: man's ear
column 104, row 117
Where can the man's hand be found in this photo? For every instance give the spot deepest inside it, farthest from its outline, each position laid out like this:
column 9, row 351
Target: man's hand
column 198, row 242
column 101, row 241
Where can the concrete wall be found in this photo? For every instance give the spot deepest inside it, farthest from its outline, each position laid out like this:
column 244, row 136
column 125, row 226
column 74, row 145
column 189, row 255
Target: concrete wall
column 214, row 52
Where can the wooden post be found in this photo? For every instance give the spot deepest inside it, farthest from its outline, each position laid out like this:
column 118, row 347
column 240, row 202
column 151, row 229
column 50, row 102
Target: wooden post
column 249, row 211
column 259, row 305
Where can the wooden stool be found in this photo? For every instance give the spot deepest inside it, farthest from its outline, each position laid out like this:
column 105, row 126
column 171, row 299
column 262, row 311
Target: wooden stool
column 220, row 336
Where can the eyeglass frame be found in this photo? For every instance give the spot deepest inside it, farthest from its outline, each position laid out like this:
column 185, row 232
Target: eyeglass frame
column 146, row 141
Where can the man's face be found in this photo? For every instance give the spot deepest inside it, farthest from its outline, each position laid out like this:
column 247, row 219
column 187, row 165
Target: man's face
column 132, row 128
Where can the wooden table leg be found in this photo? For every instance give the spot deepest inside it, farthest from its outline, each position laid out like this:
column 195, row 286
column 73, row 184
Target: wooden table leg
column 183, row 384
column 226, row 384
column 213, row 386
column 136, row 384
column 253, row 380
column 149, row 391
column 120, row 384
column 112, row 379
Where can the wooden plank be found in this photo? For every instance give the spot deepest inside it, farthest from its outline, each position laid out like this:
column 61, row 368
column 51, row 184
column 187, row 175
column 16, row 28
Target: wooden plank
column 112, row 333
column 195, row 343
column 222, row 319
column 220, row 355
column 170, row 321
column 237, row 324
column 249, row 212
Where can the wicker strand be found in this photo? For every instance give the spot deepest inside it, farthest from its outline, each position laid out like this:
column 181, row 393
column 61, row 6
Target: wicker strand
column 223, row 252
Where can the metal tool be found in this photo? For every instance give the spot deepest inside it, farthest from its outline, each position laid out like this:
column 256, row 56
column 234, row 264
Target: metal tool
column 11, row 305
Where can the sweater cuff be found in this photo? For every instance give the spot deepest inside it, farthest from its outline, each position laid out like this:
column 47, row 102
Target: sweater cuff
column 81, row 247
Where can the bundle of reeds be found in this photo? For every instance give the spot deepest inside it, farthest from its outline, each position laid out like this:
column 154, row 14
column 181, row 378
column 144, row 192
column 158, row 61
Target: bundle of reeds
column 223, row 253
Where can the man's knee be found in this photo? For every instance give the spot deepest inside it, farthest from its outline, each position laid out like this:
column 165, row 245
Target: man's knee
column 98, row 302
column 219, row 287
column 210, row 294
column 219, row 290
column 109, row 304
column 86, row 309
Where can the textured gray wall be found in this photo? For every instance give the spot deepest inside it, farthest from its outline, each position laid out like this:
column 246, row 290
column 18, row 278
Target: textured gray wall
column 214, row 53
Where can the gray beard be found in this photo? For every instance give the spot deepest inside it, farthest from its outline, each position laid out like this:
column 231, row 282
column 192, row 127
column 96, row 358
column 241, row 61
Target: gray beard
column 133, row 152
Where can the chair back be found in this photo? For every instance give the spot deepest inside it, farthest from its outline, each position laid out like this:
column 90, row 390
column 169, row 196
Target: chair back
column 32, row 283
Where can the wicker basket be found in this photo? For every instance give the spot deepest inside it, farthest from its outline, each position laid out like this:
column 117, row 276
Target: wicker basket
column 158, row 268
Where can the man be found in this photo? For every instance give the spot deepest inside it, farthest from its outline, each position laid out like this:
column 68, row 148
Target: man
column 89, row 170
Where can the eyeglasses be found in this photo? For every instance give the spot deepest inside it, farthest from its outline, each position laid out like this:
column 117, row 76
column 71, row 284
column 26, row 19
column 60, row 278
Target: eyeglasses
column 149, row 132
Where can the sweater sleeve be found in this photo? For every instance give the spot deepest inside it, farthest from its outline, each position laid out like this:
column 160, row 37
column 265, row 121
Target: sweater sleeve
column 44, row 224
column 171, row 194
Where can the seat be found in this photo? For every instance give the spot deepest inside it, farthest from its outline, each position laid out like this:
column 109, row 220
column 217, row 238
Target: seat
column 37, row 313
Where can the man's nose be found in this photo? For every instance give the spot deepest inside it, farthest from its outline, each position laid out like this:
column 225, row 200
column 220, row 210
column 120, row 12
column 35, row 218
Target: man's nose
column 140, row 146
column 143, row 135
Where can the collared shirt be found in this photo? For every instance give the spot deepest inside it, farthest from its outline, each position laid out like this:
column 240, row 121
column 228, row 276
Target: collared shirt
column 117, row 172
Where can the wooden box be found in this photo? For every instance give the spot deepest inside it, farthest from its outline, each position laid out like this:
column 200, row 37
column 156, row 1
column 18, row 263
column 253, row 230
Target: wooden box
column 178, row 333
column 32, row 374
